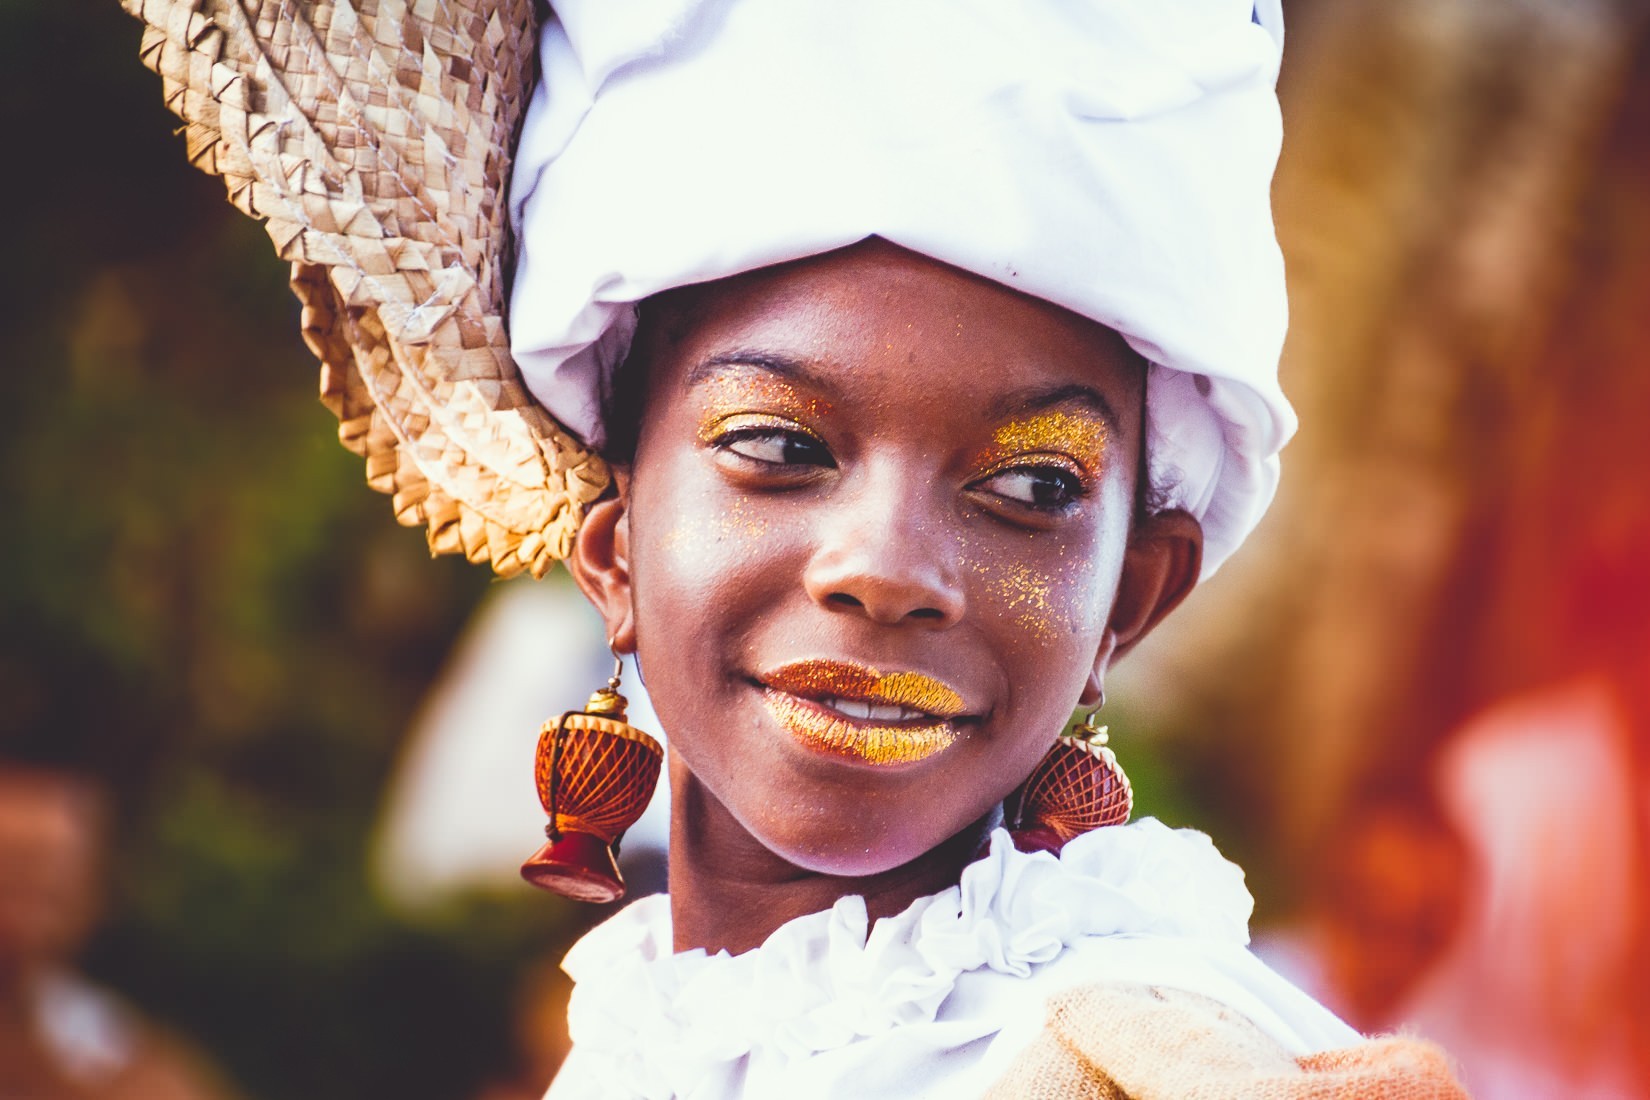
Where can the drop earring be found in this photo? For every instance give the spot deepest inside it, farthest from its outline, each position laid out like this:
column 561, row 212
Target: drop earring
column 595, row 775
column 1076, row 787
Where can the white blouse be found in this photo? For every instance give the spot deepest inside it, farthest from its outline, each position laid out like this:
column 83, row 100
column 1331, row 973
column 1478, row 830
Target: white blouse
column 936, row 1001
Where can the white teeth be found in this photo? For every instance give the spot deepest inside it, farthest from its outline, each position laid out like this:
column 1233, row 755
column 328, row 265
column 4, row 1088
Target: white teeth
column 854, row 708
column 880, row 712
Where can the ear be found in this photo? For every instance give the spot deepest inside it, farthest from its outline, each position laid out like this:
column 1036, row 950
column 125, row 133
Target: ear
column 600, row 563
column 1160, row 568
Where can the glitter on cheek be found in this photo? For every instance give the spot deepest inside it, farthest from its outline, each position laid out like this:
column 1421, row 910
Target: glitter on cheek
column 1027, row 595
column 701, row 515
column 1044, row 606
column 740, row 521
column 732, row 522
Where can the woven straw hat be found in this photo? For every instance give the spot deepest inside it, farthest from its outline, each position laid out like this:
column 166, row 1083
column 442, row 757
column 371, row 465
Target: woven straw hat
column 373, row 137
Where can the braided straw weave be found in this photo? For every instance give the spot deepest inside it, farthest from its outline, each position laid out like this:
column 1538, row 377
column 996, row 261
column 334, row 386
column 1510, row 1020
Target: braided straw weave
column 374, row 139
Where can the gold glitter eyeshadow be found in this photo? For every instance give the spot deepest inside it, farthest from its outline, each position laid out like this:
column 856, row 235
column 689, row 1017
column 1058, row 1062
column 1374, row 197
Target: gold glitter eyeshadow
column 716, row 427
column 1079, row 436
column 756, row 394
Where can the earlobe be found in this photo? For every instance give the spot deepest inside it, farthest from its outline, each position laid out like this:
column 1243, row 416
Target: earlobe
column 1160, row 568
column 1094, row 689
column 600, row 564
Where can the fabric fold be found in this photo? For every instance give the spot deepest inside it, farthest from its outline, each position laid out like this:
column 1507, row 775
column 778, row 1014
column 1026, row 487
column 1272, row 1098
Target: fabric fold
column 649, row 1022
column 1114, row 159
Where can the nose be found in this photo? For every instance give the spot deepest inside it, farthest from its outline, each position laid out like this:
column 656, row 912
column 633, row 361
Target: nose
column 885, row 553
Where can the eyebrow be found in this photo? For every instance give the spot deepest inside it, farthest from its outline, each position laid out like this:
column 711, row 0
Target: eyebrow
column 1025, row 401
column 793, row 370
column 1018, row 403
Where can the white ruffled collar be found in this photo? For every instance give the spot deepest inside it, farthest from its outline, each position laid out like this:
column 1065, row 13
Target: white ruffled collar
column 650, row 1020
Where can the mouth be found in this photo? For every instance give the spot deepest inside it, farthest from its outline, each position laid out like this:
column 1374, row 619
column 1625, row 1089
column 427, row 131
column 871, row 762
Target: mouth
column 861, row 714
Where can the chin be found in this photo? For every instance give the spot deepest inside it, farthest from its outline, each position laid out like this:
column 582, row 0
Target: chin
column 850, row 845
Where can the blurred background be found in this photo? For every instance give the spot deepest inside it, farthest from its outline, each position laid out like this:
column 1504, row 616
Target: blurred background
column 263, row 763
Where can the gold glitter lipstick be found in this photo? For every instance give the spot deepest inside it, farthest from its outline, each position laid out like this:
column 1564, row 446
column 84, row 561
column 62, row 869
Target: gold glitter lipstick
column 857, row 712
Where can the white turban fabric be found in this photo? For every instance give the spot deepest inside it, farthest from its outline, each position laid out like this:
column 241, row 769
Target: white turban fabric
column 1111, row 156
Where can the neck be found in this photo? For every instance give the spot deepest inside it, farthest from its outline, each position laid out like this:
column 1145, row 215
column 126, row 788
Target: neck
column 730, row 892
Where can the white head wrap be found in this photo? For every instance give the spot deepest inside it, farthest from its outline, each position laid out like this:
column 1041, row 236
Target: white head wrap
column 1111, row 156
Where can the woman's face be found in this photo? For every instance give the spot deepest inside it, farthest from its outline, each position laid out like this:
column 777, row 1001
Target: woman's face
column 870, row 543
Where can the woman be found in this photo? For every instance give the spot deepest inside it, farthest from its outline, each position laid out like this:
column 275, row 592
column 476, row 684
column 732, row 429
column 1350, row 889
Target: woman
column 793, row 533
column 932, row 350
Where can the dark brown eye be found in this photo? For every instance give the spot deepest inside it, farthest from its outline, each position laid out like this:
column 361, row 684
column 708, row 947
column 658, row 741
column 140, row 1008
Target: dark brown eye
column 776, row 447
column 1044, row 488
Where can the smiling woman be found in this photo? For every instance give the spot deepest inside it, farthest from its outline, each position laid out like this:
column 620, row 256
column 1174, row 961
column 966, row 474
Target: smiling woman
column 795, row 519
column 897, row 369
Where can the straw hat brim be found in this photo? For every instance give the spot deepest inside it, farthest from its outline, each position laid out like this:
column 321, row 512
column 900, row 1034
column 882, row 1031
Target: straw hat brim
column 374, row 140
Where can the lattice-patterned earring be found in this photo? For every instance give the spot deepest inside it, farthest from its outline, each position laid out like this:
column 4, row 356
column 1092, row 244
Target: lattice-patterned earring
column 595, row 774
column 1077, row 786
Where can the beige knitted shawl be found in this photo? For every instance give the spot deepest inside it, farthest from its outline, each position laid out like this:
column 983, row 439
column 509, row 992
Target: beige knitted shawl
column 1135, row 1042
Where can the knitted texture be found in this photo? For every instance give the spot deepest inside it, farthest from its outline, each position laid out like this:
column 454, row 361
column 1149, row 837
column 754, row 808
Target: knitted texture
column 1133, row 1042
column 373, row 139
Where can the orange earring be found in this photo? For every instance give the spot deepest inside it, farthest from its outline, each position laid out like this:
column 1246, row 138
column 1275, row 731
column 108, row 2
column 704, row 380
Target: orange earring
column 1077, row 786
column 595, row 776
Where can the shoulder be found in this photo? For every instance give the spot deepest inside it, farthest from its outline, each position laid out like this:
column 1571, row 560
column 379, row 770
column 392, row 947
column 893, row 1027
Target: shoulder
column 1150, row 905
column 1120, row 1040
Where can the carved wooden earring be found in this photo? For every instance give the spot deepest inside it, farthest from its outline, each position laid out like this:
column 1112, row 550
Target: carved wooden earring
column 595, row 776
column 1077, row 786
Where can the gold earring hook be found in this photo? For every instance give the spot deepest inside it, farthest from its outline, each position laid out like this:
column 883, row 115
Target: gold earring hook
column 607, row 701
column 1091, row 731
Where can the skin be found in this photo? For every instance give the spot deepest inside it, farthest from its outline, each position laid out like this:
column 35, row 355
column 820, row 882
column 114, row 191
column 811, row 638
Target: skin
column 50, row 869
column 52, row 864
column 869, row 457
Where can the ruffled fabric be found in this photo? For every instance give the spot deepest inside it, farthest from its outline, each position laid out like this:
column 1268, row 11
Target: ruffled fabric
column 652, row 1023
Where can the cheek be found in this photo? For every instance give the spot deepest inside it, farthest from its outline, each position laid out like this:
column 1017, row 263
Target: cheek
column 705, row 564
column 1046, row 593
column 1045, row 600
column 691, row 544
column 687, row 529
column 684, row 594
column 1046, row 606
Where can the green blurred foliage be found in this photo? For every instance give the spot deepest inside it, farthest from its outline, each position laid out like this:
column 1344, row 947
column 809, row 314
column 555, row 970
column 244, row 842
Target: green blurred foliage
column 202, row 604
